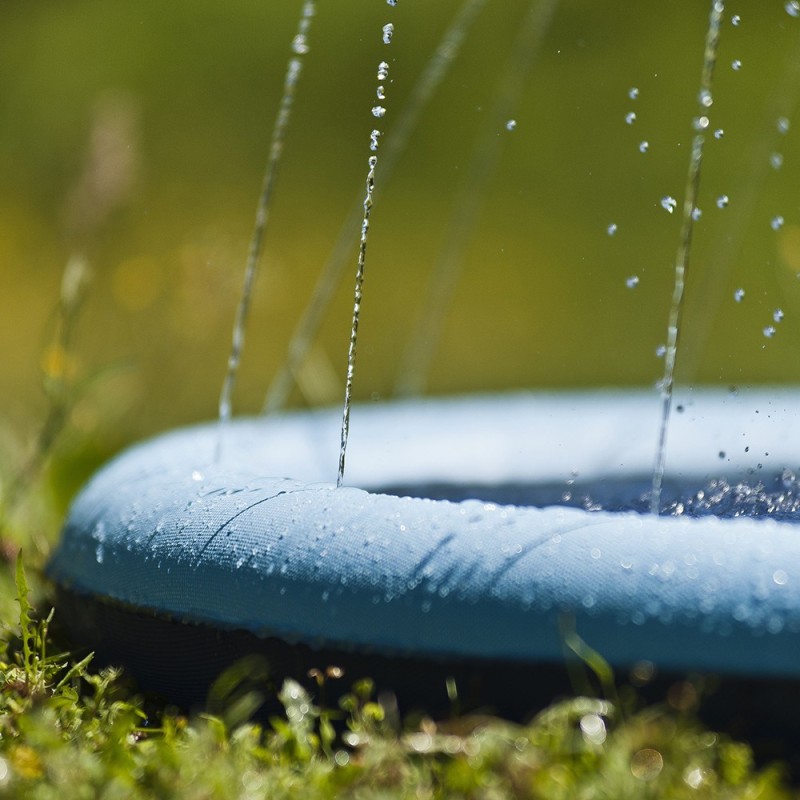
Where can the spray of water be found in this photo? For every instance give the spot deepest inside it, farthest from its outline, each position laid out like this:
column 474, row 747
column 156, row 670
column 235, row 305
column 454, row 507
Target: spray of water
column 299, row 49
column 374, row 140
column 780, row 103
column 701, row 123
column 391, row 149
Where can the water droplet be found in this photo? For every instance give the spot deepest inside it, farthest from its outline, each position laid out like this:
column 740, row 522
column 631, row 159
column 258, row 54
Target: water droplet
column 719, row 133
column 646, row 764
column 722, row 201
column 780, row 577
column 383, row 71
column 611, row 229
column 776, row 223
column 197, row 475
column 776, row 160
column 596, row 553
column 380, row 92
column 633, row 93
column 705, row 98
column 392, row 3
column 661, row 351
column 632, row 282
column 593, row 728
column 630, row 117
column 783, row 122
column 388, row 32
column 701, row 123
column 738, row 295
column 378, row 111
column 777, row 315
column 774, row 624
column 511, row 124
column 668, row 203
column 644, row 146
column 793, row 8
column 736, row 64
column 696, row 213
column 736, row 20
column 300, row 44
column 769, row 331
column 373, row 140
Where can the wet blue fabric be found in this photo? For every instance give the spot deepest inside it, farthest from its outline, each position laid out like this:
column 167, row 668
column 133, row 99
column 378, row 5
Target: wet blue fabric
column 166, row 528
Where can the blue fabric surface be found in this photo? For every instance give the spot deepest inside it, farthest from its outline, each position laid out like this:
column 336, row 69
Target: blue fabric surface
column 163, row 528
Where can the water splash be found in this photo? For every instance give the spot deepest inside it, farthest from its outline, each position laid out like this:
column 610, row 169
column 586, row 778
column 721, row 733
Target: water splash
column 294, row 67
column 684, row 248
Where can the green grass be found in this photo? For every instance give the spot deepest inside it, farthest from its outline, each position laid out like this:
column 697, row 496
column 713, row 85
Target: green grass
column 67, row 729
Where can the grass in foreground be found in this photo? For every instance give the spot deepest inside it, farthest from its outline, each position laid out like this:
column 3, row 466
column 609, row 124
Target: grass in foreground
column 67, row 730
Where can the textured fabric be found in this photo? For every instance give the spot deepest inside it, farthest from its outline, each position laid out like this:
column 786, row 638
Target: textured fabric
column 164, row 528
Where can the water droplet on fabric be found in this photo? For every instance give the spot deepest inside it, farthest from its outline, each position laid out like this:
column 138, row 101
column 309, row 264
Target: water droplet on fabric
column 736, row 64
column 777, row 315
column 719, row 133
column 611, row 229
column 722, row 201
column 632, row 282
column 633, row 93
column 780, row 577
column 774, row 624
column 769, row 331
column 511, row 124
column 738, row 295
column 630, row 117
column 388, row 33
column 736, row 20
column 669, row 203
column 644, row 146
column 776, row 223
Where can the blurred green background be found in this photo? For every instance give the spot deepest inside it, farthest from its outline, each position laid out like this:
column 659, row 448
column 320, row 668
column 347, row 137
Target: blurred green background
column 137, row 133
